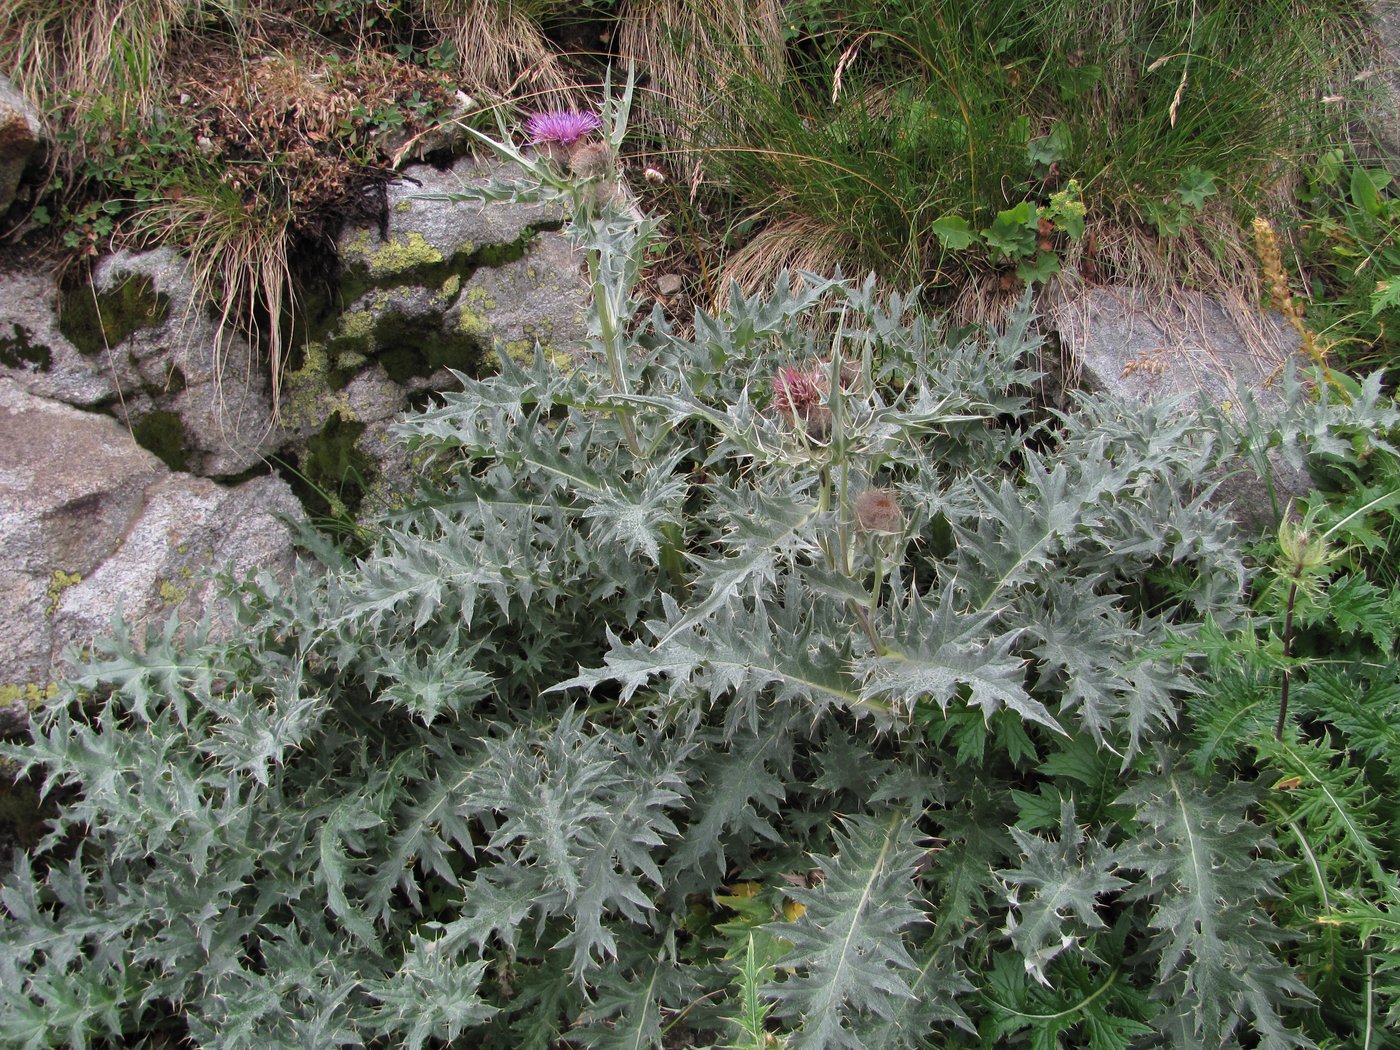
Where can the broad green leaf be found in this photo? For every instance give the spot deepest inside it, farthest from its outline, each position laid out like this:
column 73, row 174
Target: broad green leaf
column 953, row 232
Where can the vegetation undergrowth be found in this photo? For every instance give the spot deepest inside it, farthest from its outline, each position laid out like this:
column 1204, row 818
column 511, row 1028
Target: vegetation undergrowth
column 977, row 146
column 969, row 148
column 243, row 134
column 748, row 688
column 1347, row 244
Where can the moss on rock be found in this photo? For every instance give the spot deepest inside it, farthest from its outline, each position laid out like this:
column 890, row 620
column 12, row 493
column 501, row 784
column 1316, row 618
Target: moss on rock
column 17, row 351
column 163, row 435
column 93, row 320
column 334, row 474
column 410, row 347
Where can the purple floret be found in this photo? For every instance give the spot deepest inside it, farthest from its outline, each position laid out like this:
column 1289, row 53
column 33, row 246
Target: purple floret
column 565, row 126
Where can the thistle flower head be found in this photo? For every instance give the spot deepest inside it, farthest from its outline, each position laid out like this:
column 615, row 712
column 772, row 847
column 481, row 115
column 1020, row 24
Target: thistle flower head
column 799, row 395
column 564, row 126
column 796, row 391
column 877, row 510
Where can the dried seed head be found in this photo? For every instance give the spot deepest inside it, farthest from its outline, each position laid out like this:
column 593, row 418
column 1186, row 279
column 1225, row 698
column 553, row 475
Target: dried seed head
column 592, row 158
column 877, row 511
column 655, row 176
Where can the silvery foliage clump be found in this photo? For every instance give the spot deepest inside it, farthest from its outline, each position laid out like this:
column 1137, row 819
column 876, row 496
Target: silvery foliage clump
column 808, row 600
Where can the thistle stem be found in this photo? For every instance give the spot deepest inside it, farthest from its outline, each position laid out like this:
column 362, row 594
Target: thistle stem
column 1287, row 654
column 608, row 333
column 865, row 625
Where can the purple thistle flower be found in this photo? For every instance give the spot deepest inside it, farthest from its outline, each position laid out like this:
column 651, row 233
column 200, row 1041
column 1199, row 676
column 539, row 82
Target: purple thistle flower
column 564, row 126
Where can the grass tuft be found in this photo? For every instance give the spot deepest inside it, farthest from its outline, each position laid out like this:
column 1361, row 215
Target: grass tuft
column 892, row 120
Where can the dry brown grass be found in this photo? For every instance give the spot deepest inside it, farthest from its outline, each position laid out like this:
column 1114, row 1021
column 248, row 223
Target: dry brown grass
column 792, row 243
column 69, row 54
column 238, row 261
column 693, row 48
column 501, row 50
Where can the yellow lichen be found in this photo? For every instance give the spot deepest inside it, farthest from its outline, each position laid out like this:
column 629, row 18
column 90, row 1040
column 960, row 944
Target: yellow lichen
column 59, row 582
column 401, row 253
column 31, row 694
column 357, row 324
column 522, row 352
column 471, row 323
column 452, row 286
column 170, row 594
column 307, row 399
column 480, row 298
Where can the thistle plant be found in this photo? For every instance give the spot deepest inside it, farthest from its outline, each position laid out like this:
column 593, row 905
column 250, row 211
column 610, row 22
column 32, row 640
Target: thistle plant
column 914, row 669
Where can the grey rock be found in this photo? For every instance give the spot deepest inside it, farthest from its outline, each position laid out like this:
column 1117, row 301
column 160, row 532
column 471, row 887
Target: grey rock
column 471, row 279
column 539, row 298
column 90, row 524
column 1140, row 349
column 21, row 132
column 423, row 232
column 38, row 356
column 211, row 379
column 157, row 354
column 188, row 529
column 447, row 285
column 373, row 397
column 1382, row 114
column 669, row 284
column 419, row 331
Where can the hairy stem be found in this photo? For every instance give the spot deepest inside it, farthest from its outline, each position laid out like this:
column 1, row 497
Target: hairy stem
column 1287, row 653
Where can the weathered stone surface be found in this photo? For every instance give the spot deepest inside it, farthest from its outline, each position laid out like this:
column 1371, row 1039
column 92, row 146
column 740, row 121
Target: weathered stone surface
column 21, row 132
column 447, row 285
column 467, row 280
column 1118, row 341
column 536, row 299
column 138, row 343
column 37, row 355
column 89, row 522
column 213, row 381
column 423, row 232
column 1382, row 116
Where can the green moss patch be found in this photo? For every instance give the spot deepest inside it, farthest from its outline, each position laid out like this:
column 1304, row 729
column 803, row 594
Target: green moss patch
column 17, row 351
column 93, row 321
column 409, row 347
column 163, row 435
column 333, row 475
